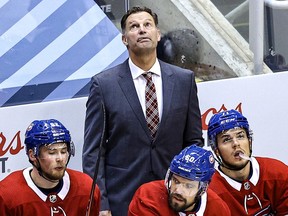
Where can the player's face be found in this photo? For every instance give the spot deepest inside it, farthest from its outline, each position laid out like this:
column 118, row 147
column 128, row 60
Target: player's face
column 141, row 34
column 231, row 144
column 53, row 159
column 182, row 193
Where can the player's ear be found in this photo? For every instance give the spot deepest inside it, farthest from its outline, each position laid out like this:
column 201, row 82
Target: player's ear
column 216, row 151
column 158, row 34
column 124, row 40
column 31, row 155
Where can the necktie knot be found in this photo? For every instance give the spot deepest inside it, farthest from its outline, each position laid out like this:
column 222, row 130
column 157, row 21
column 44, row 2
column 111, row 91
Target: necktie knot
column 148, row 76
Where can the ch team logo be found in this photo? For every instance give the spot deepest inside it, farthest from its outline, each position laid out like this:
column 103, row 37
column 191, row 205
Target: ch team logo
column 57, row 211
column 211, row 159
column 253, row 200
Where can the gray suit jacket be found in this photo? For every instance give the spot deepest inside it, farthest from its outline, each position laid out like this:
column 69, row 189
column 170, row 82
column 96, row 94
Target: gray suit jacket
column 129, row 157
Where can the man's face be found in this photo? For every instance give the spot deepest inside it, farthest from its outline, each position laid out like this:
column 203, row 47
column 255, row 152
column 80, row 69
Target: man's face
column 230, row 145
column 141, row 34
column 53, row 159
column 182, row 193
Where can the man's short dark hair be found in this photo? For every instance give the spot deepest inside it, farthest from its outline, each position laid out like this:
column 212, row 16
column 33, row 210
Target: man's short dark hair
column 134, row 10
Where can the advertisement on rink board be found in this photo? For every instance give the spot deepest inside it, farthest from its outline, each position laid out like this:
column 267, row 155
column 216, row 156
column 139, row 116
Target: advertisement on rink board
column 260, row 98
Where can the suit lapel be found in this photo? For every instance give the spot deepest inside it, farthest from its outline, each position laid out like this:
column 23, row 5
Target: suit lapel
column 168, row 86
column 127, row 85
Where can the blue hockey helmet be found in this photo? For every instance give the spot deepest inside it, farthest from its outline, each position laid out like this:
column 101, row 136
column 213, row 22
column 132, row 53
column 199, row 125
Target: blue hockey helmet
column 194, row 163
column 224, row 121
column 45, row 132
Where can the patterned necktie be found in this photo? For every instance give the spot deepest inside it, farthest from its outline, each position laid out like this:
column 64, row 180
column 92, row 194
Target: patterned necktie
column 152, row 115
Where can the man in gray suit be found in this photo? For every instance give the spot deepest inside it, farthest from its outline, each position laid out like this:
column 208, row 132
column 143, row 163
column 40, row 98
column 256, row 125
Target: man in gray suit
column 130, row 155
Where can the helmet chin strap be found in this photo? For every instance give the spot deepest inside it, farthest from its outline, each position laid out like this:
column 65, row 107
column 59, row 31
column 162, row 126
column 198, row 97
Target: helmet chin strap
column 196, row 200
column 41, row 173
column 218, row 159
column 195, row 203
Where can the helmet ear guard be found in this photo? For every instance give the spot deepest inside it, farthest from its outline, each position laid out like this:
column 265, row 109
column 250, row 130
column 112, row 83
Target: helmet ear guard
column 167, row 180
column 72, row 149
column 203, row 186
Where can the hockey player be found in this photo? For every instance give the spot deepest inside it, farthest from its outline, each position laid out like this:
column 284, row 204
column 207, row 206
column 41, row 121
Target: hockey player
column 249, row 185
column 47, row 188
column 184, row 191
